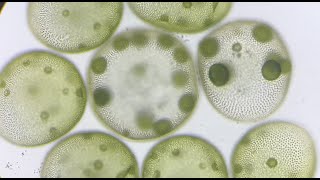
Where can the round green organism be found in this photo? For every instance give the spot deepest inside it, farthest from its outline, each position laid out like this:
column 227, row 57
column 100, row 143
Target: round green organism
column 101, row 96
column 146, row 85
column 209, row 47
column 74, row 27
column 219, row 74
column 245, row 77
column 271, row 70
column 191, row 157
column 90, row 155
column 275, row 150
column 183, row 17
column 98, row 65
column 262, row 33
column 180, row 78
column 163, row 126
column 42, row 97
column 187, row 103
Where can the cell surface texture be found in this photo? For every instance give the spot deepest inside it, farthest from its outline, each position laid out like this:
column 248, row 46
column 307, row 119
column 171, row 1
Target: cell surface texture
column 275, row 150
column 183, row 17
column 74, row 27
column 143, row 84
column 184, row 157
column 42, row 97
column 245, row 70
column 90, row 155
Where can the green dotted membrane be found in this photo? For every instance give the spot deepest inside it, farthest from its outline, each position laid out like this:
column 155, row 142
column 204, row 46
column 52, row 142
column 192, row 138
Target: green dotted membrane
column 90, row 155
column 275, row 150
column 184, row 17
column 184, row 157
column 74, row 26
column 42, row 97
column 245, row 70
column 146, row 86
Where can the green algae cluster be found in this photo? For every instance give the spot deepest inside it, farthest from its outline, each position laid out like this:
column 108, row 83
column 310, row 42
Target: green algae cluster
column 90, row 155
column 183, row 17
column 184, row 157
column 42, row 97
column 275, row 150
column 74, row 27
column 245, row 70
column 142, row 84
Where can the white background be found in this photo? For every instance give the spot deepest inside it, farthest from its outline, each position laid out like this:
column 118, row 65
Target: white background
column 298, row 23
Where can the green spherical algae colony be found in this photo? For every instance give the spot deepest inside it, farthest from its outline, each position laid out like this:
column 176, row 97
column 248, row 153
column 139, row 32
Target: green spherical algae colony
column 120, row 43
column 245, row 80
column 99, row 65
column 271, row 70
column 219, row 74
column 74, row 27
column 184, row 157
column 34, row 106
column 180, row 78
column 183, row 17
column 209, row 47
column 262, row 33
column 101, row 96
column 163, row 126
column 151, row 84
column 275, row 150
column 187, row 102
column 90, row 155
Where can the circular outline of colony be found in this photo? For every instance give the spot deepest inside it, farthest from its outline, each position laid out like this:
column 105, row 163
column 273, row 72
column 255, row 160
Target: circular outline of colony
column 42, row 97
column 142, row 84
column 245, row 70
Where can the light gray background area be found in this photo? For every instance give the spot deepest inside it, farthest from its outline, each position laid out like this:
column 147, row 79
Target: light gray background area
column 298, row 23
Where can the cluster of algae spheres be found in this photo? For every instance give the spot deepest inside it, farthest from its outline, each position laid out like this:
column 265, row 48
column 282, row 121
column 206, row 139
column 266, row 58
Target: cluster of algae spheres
column 42, row 97
column 275, row 150
column 244, row 68
column 90, row 155
column 184, row 157
column 143, row 84
column 183, row 17
column 74, row 26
